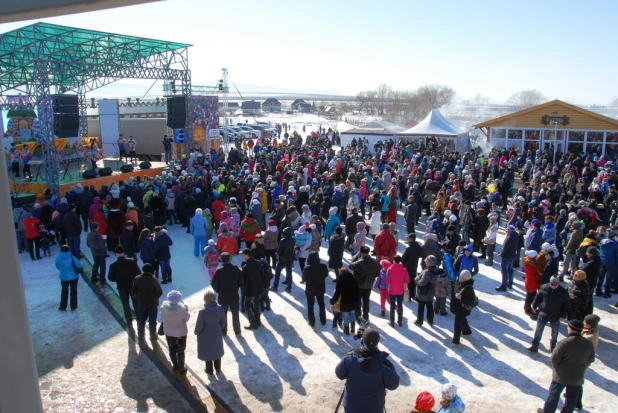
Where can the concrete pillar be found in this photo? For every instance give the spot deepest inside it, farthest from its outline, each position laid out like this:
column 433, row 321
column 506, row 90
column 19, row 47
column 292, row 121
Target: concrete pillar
column 19, row 383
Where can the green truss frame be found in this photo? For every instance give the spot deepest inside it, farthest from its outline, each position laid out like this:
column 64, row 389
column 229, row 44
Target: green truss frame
column 43, row 59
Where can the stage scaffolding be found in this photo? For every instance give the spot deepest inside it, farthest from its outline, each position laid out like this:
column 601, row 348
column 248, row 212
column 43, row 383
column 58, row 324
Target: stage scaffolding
column 44, row 59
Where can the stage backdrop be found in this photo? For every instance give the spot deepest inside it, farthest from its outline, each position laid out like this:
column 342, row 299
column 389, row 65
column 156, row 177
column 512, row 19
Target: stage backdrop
column 205, row 128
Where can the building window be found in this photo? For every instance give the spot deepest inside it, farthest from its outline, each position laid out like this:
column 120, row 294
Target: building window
column 595, row 137
column 499, row 143
column 611, row 147
column 498, row 134
column 515, row 134
column 576, row 136
column 594, row 148
column 533, row 135
column 576, row 148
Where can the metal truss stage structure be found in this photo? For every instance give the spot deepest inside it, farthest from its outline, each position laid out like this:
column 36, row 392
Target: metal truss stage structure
column 44, row 59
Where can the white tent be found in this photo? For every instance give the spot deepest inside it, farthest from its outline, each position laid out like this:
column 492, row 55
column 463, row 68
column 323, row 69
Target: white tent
column 435, row 124
column 372, row 132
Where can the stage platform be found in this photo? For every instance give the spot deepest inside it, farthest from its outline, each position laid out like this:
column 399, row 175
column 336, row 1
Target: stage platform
column 73, row 176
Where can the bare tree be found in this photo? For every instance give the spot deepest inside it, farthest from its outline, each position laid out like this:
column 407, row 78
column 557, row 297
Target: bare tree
column 526, row 99
column 436, row 95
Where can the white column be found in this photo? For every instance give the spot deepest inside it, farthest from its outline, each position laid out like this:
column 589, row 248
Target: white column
column 19, row 383
column 109, row 120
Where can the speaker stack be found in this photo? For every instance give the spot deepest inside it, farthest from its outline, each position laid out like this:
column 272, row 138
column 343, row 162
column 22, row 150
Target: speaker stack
column 107, row 171
column 145, row 165
column 176, row 112
column 66, row 115
column 126, row 168
column 90, row 174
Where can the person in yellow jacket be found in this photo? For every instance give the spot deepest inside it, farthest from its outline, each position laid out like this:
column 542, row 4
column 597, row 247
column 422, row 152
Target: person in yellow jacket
column 439, row 205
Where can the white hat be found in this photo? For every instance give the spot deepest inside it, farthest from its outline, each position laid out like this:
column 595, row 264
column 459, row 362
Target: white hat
column 546, row 246
column 531, row 253
column 449, row 391
column 452, row 218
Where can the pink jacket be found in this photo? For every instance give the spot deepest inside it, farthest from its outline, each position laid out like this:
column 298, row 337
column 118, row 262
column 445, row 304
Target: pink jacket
column 396, row 277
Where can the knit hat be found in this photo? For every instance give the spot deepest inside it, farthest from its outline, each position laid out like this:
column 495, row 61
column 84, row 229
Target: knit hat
column 332, row 211
column 211, row 242
column 546, row 246
column 272, row 223
column 465, row 275
column 424, row 401
column 224, row 214
column 592, row 320
column 360, row 225
column 531, row 254
column 576, row 325
column 449, row 391
column 554, row 281
column 386, row 264
column 199, row 211
column 371, row 337
column 174, row 297
column 223, row 226
column 511, row 228
column 431, row 261
column 364, row 249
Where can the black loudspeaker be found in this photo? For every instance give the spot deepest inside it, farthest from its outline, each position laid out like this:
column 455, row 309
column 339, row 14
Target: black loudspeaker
column 66, row 115
column 90, row 173
column 176, row 112
column 145, row 165
column 105, row 171
column 126, row 168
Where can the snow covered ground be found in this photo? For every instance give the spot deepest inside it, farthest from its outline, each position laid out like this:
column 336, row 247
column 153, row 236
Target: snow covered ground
column 288, row 366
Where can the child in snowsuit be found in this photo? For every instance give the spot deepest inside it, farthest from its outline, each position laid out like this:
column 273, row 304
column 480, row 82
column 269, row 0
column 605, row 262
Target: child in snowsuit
column 442, row 290
column 531, row 281
column 359, row 239
column 380, row 284
column 46, row 241
column 211, row 258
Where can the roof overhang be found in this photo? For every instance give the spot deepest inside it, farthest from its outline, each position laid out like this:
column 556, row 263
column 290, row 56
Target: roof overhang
column 13, row 11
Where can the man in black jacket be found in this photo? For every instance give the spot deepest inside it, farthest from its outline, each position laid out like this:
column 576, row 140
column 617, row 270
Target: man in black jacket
column 96, row 243
column 350, row 226
column 73, row 227
column 508, row 256
column 410, row 259
column 366, row 269
column 569, row 360
column 314, row 277
column 123, row 271
column 148, row 291
column 86, row 198
column 285, row 258
column 552, row 306
column 226, row 283
column 251, row 285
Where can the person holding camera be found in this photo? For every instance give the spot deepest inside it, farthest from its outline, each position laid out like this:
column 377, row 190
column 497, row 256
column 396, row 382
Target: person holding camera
column 368, row 374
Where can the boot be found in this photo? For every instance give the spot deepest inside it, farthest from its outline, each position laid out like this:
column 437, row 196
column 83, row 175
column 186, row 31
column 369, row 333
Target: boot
column 267, row 305
column 217, row 364
column 353, row 328
column 382, row 313
column 346, row 330
column 181, row 363
column 169, row 275
column 164, row 276
column 174, row 359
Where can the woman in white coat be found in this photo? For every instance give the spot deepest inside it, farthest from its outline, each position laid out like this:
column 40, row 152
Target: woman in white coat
column 175, row 315
column 376, row 222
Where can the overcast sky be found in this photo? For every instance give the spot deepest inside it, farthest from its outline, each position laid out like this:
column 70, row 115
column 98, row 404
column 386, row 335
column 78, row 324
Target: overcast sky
column 565, row 48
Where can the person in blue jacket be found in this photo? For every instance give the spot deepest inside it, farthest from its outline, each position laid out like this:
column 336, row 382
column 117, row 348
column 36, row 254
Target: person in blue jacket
column 536, row 236
column 332, row 222
column 68, row 266
column 198, row 227
column 368, row 374
column 162, row 243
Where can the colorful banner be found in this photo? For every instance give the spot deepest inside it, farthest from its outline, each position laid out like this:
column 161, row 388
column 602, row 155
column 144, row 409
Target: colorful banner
column 206, row 118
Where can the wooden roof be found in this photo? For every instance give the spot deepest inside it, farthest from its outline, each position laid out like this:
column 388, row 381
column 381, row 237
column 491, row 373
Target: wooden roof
column 524, row 118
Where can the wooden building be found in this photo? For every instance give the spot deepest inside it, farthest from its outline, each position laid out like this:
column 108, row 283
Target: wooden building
column 555, row 125
column 271, row 105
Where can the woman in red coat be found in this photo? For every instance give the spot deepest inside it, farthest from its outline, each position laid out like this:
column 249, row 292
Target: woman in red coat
column 31, row 227
column 532, row 280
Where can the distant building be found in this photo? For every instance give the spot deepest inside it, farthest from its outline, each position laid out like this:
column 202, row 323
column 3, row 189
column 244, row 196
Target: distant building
column 304, row 107
column 296, row 104
column 251, row 107
column 271, row 105
column 231, row 106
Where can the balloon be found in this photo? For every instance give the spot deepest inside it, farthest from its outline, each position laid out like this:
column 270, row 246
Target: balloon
column 491, row 187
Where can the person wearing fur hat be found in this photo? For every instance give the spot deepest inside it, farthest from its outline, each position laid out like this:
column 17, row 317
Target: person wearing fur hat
column 115, row 223
column 569, row 359
column 450, row 402
column 174, row 316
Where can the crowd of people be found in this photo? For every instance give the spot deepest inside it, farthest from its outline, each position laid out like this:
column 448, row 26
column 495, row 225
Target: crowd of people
column 285, row 200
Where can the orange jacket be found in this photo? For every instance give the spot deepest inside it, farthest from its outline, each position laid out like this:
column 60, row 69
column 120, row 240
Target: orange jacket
column 227, row 243
column 533, row 275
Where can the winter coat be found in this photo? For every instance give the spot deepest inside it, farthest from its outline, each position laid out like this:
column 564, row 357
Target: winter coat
column 549, row 233
column 426, row 283
column 430, row 247
column 577, row 236
column 198, row 225
column 162, row 245
column 329, row 229
column 271, row 239
column 385, row 245
column 511, row 245
column 366, row 269
column 62, row 209
column 96, row 243
column 581, row 291
column 72, row 224
column 147, row 249
column 148, row 291
column 175, row 317
column 570, row 359
column 466, row 289
column 314, row 276
column 376, row 223
column 553, row 304
column 210, row 321
column 251, row 277
column 609, row 252
column 226, row 242
column 592, row 268
column 533, row 275
column 303, row 242
column 536, row 240
column 115, row 223
column 380, row 281
column 335, row 251
column 396, row 279
column 123, row 272
column 443, row 287
column 285, row 251
column 226, row 283
column 454, row 406
column 127, row 239
column 31, row 227
column 66, row 264
column 410, row 258
column 368, row 374
column 249, row 229
column 551, row 269
column 470, row 263
column 99, row 218
column 346, row 289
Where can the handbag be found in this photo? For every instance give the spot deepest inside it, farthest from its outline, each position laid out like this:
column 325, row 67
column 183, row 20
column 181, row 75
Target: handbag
column 76, row 268
column 160, row 330
column 474, row 303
